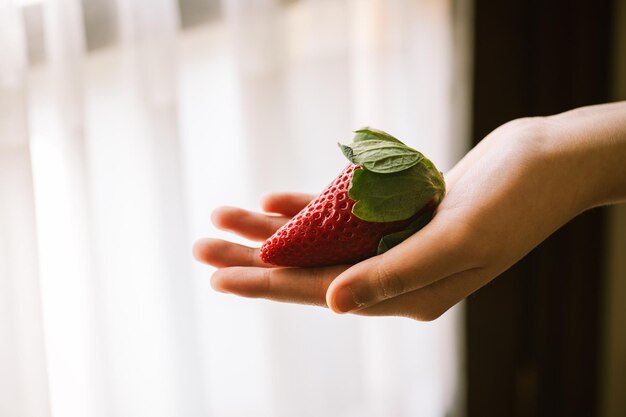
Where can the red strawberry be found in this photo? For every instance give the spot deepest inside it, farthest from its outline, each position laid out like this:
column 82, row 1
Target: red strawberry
column 328, row 232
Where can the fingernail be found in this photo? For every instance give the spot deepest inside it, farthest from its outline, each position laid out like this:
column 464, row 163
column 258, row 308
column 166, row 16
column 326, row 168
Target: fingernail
column 345, row 301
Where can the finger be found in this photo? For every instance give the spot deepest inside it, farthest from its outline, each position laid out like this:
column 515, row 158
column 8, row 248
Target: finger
column 431, row 254
column 293, row 285
column 430, row 302
column 221, row 254
column 255, row 226
column 287, row 204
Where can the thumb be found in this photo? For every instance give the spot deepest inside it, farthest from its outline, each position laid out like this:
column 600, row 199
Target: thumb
column 431, row 254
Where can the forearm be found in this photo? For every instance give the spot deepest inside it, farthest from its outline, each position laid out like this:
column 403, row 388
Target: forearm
column 592, row 140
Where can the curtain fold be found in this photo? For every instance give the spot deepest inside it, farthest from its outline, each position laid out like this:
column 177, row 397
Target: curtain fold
column 63, row 215
column 144, row 294
column 112, row 159
column 23, row 366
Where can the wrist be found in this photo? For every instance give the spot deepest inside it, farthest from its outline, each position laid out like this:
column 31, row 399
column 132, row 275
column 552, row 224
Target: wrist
column 590, row 143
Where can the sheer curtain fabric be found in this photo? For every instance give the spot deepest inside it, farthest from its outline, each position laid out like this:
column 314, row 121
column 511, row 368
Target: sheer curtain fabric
column 113, row 155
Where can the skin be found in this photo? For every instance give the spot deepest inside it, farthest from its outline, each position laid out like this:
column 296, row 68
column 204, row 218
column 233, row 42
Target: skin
column 520, row 184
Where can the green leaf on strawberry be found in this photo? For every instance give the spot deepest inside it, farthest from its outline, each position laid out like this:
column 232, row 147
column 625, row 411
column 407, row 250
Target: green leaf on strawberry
column 369, row 133
column 381, row 156
column 394, row 182
column 380, row 152
column 393, row 239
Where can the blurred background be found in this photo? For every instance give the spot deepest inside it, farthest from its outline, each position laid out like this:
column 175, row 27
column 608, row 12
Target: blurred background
column 124, row 123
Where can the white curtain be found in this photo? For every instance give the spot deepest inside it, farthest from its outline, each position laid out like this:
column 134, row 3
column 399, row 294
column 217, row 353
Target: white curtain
column 112, row 158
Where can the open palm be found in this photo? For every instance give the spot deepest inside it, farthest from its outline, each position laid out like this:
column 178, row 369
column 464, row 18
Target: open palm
column 520, row 184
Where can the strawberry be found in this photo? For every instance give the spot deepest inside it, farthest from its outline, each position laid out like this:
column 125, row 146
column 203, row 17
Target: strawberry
column 387, row 193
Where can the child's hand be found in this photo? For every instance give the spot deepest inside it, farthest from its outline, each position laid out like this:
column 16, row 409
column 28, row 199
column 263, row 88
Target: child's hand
column 520, row 184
